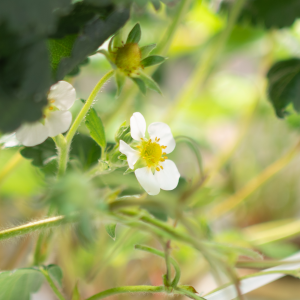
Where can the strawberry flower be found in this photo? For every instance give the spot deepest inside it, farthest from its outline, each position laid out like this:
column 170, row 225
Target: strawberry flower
column 56, row 117
column 148, row 157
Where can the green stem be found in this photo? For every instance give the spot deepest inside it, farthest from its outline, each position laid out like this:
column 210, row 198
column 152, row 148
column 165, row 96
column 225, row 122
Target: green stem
column 185, row 292
column 65, row 148
column 61, row 145
column 128, row 289
column 161, row 254
column 31, row 227
column 168, row 262
column 52, row 284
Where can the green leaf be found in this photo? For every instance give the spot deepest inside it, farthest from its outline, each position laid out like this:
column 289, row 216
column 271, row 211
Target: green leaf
column 76, row 294
column 106, row 54
column 269, row 13
column 95, row 126
column 111, row 230
column 134, row 35
column 140, row 83
column 284, row 85
column 151, row 84
column 55, row 273
column 152, row 60
column 11, row 287
column 120, row 80
column 146, row 50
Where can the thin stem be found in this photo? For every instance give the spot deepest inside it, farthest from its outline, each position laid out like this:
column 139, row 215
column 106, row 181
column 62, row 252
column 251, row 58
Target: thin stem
column 168, row 262
column 161, row 254
column 206, row 64
column 185, row 292
column 254, row 184
column 52, row 284
column 128, row 289
column 61, row 145
column 14, row 162
column 64, row 149
column 31, row 227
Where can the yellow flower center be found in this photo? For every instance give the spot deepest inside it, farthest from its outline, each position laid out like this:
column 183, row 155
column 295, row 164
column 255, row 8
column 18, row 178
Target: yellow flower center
column 128, row 58
column 49, row 107
column 152, row 153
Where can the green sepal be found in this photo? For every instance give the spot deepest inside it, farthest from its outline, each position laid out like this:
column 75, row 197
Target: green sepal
column 139, row 164
column 111, row 230
column 128, row 171
column 151, row 84
column 117, row 39
column 76, row 294
column 121, row 132
column 122, row 157
column 141, row 84
column 146, row 50
column 107, row 55
column 111, row 45
column 120, row 81
column 152, row 60
column 134, row 35
column 96, row 128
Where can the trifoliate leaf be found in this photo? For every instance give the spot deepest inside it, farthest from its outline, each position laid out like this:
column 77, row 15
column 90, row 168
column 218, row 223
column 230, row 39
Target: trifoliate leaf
column 13, row 285
column 151, row 84
column 140, row 83
column 106, row 54
column 134, row 35
column 152, row 60
column 120, row 80
column 146, row 50
column 111, row 230
column 284, row 85
column 95, row 126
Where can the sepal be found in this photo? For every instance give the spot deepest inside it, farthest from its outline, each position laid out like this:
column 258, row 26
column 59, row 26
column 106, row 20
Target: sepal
column 151, row 84
column 146, row 50
column 140, row 83
column 152, row 60
column 107, row 55
column 134, row 35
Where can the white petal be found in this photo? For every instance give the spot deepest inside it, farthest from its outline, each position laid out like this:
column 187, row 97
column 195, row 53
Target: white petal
column 163, row 132
column 132, row 155
column 63, row 94
column 58, row 121
column 137, row 126
column 32, row 134
column 147, row 180
column 167, row 177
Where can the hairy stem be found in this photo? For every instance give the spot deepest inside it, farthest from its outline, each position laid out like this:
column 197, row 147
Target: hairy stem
column 52, row 284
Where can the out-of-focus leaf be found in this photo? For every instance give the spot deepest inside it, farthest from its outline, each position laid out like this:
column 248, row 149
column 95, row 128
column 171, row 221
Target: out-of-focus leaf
column 111, row 230
column 55, row 273
column 152, row 60
column 76, row 294
column 20, row 284
column 134, row 35
column 284, row 85
column 95, row 126
column 141, row 85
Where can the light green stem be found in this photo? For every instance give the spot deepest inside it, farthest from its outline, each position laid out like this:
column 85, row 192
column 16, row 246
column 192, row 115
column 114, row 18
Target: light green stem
column 64, row 149
column 61, row 145
column 52, row 284
column 31, row 227
column 161, row 254
column 128, row 289
column 185, row 292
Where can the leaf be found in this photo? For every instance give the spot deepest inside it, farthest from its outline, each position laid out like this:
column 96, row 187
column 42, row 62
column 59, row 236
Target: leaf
column 55, row 273
column 145, row 50
column 95, row 126
column 76, row 294
column 270, row 13
column 152, row 60
column 111, row 230
column 120, row 80
column 284, row 85
column 151, row 84
column 140, row 83
column 11, row 289
column 134, row 35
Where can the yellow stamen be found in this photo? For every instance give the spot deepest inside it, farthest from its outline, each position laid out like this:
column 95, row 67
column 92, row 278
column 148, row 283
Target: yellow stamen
column 157, row 169
column 50, row 107
column 161, row 167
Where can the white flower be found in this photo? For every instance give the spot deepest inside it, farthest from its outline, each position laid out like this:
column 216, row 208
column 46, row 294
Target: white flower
column 158, row 171
column 56, row 118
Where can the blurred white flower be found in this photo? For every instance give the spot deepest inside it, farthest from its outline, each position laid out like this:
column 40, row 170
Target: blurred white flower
column 56, row 117
column 156, row 171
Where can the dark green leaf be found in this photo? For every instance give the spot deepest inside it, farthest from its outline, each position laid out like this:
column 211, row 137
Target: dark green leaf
column 55, row 273
column 270, row 13
column 141, row 85
column 284, row 85
column 156, row 4
column 111, row 230
column 146, row 50
column 95, row 126
column 120, row 80
column 152, row 60
column 11, row 287
column 151, row 84
column 134, row 35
